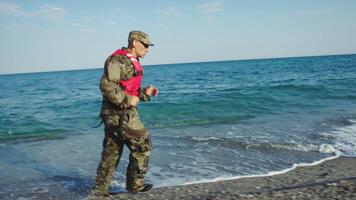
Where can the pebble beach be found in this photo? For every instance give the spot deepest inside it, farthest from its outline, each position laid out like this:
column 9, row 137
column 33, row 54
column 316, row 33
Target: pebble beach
column 332, row 179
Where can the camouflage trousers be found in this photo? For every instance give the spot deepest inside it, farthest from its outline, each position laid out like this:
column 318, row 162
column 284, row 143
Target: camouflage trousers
column 139, row 143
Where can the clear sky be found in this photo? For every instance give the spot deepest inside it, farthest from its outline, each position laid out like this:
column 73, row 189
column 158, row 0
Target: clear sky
column 50, row 35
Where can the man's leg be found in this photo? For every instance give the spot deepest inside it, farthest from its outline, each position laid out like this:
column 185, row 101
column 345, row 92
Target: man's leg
column 112, row 151
column 136, row 170
column 138, row 162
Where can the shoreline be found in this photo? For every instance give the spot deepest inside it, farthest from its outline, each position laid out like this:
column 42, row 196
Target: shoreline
column 324, row 179
column 273, row 173
column 331, row 179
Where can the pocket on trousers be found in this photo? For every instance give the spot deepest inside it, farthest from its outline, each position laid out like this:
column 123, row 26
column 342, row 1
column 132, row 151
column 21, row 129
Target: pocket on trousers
column 111, row 120
column 138, row 142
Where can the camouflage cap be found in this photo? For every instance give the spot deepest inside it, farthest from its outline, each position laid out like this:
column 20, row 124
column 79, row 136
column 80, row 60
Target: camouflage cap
column 140, row 36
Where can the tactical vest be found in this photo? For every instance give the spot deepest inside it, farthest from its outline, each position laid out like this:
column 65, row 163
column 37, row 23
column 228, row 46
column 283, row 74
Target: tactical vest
column 132, row 85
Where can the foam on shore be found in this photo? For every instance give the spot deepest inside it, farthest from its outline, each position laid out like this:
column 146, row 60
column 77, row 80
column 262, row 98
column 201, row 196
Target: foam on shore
column 273, row 173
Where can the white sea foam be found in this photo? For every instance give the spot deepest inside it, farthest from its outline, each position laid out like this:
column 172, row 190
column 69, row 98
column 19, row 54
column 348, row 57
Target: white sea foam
column 327, row 148
column 200, row 139
column 116, row 183
column 344, row 139
column 323, row 148
column 273, row 173
column 293, row 146
column 296, row 147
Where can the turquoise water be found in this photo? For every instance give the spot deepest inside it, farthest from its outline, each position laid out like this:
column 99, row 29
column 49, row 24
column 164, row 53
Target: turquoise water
column 210, row 120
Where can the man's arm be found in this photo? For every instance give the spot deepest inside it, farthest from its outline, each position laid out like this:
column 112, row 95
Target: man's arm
column 147, row 92
column 110, row 87
column 143, row 96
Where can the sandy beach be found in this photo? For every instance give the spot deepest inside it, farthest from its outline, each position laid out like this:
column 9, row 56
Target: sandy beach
column 332, row 179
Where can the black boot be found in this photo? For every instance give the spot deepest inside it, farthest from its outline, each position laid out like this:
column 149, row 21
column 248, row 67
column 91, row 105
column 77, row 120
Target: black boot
column 144, row 189
column 147, row 187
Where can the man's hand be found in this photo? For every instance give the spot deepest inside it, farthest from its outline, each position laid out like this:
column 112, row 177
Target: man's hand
column 151, row 90
column 134, row 101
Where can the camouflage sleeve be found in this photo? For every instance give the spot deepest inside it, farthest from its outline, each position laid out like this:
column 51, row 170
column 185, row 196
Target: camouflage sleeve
column 143, row 96
column 116, row 68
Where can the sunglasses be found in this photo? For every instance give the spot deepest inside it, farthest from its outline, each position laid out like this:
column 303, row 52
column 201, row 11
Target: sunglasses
column 145, row 45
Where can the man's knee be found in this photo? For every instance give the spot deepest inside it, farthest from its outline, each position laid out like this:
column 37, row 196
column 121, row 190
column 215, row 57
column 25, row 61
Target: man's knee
column 139, row 140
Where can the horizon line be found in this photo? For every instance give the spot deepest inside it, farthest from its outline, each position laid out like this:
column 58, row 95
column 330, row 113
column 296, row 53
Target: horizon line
column 150, row 65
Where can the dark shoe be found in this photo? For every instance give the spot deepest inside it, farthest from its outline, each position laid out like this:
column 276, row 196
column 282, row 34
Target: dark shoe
column 147, row 187
column 144, row 189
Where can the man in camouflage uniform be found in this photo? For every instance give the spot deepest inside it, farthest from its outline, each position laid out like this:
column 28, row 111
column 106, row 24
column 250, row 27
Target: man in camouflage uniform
column 119, row 114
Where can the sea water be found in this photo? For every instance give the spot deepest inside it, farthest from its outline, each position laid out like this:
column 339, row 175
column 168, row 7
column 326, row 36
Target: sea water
column 210, row 121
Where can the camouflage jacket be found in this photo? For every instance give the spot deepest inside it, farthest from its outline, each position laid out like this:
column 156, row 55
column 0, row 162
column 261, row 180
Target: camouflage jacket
column 118, row 67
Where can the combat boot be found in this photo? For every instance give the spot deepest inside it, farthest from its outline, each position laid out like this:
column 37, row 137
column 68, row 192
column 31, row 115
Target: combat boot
column 146, row 187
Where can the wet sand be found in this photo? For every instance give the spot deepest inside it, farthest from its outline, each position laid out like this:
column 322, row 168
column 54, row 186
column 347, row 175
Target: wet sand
column 332, row 179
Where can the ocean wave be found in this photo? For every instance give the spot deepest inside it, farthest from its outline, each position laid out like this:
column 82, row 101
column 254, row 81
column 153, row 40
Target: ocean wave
column 16, row 137
column 344, row 138
column 181, row 121
column 300, row 87
column 260, row 146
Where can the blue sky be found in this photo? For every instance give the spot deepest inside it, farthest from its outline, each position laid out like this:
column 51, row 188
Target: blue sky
column 62, row 35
